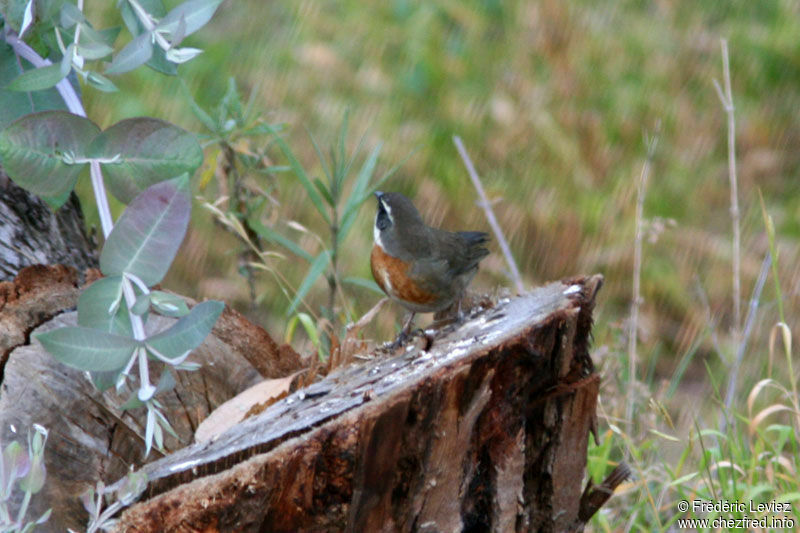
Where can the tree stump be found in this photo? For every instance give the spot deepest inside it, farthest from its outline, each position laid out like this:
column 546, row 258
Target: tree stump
column 483, row 428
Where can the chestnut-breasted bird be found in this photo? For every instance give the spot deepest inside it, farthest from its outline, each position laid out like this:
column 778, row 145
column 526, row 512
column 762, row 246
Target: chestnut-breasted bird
column 422, row 268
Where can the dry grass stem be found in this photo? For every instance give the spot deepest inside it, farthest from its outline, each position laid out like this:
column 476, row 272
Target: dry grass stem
column 651, row 142
column 726, row 98
column 487, row 207
column 730, row 393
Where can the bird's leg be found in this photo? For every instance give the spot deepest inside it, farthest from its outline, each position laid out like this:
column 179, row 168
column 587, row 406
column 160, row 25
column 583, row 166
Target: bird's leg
column 407, row 327
column 404, row 333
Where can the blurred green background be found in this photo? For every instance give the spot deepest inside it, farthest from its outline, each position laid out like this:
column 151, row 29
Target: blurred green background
column 553, row 100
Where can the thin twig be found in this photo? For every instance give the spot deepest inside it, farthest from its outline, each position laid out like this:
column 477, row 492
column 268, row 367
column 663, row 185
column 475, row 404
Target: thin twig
column 487, row 207
column 726, row 99
column 651, row 142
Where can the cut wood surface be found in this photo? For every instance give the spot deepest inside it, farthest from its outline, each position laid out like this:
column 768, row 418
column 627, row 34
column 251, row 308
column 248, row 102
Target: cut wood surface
column 484, row 428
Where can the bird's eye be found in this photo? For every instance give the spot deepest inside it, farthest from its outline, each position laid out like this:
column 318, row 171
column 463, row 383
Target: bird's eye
column 383, row 220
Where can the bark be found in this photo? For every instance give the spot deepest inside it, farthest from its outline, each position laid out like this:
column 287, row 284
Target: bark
column 32, row 233
column 483, row 427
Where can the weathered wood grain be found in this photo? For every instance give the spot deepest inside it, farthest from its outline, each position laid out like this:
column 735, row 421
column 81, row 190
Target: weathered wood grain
column 486, row 430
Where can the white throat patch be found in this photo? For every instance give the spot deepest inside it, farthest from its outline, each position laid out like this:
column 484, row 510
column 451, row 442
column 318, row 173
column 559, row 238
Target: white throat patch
column 376, row 233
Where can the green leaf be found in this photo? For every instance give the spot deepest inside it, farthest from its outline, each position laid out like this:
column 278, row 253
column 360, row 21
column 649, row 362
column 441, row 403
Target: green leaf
column 301, row 175
column 148, row 234
column 98, row 81
column 275, row 237
column 160, row 63
column 359, row 193
column 198, row 111
column 70, row 15
column 92, row 44
column 110, row 35
column 351, row 212
column 37, row 79
column 314, row 272
column 88, row 348
column 13, row 104
column 13, row 12
column 148, row 151
column 32, row 147
column 323, row 190
column 364, row 283
column 136, row 53
column 310, row 327
column 169, row 304
column 57, row 201
column 101, row 306
column 182, row 55
column 104, row 380
column 141, row 305
column 196, row 13
column 188, row 332
column 153, row 7
column 34, row 480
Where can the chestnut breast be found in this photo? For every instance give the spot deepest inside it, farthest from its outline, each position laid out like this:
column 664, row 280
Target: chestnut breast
column 392, row 275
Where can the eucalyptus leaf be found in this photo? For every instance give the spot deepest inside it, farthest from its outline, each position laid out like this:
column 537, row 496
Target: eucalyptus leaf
column 34, row 480
column 160, row 63
column 132, row 403
column 98, row 81
column 45, row 517
column 147, row 151
column 141, row 305
column 148, row 234
column 14, row 104
column 94, row 38
column 166, row 382
column 314, row 272
column 169, row 304
column 101, row 306
column 134, row 54
column 104, row 380
column 32, row 151
column 195, row 13
column 37, row 79
column 182, row 55
column 16, row 464
column 70, row 15
column 87, row 348
column 153, row 7
column 27, row 18
column 93, row 49
column 13, row 12
column 188, row 332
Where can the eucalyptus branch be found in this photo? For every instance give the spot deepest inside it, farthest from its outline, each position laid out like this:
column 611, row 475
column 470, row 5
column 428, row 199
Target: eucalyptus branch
column 64, row 87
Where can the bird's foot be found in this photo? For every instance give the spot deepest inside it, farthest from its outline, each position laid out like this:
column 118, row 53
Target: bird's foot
column 404, row 336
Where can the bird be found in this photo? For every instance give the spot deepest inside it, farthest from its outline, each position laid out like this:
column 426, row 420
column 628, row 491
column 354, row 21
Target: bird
column 422, row 268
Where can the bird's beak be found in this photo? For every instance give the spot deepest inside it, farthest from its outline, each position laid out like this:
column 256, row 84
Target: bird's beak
column 378, row 194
